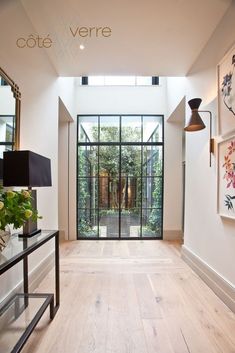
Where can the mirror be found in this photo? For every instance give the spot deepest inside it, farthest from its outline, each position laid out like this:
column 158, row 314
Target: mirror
column 9, row 114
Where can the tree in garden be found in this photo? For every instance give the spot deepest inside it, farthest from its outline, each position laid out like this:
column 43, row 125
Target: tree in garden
column 109, row 160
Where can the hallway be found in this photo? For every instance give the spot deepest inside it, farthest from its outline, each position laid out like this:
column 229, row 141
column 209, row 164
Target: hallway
column 132, row 297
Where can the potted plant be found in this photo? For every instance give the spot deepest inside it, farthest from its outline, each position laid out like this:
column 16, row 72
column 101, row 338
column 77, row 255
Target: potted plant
column 15, row 209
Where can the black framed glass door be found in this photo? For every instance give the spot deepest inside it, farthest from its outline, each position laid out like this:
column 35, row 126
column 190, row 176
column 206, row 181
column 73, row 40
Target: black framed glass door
column 120, row 176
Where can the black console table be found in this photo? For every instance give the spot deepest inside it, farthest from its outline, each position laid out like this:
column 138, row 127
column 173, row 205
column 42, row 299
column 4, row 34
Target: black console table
column 25, row 309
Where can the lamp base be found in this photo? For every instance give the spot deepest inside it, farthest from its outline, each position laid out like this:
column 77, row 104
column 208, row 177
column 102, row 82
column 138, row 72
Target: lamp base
column 29, row 235
column 30, row 227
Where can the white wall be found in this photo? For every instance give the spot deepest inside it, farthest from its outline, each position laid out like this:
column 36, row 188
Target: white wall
column 206, row 234
column 175, row 90
column 63, row 171
column 134, row 100
column 67, row 95
column 32, row 71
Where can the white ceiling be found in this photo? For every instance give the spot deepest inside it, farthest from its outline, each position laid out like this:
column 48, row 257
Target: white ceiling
column 151, row 37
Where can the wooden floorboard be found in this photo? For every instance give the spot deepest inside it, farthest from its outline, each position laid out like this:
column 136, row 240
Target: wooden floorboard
column 132, row 297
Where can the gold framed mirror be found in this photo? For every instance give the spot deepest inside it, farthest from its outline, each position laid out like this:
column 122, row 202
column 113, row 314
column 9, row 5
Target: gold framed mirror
column 10, row 103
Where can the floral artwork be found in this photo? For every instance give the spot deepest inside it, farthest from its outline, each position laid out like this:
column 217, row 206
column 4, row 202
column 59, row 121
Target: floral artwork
column 226, row 178
column 226, row 93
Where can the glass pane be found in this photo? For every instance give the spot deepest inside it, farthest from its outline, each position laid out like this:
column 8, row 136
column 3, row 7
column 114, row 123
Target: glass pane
column 87, row 223
column 152, row 160
column 130, row 223
column 109, row 161
column 131, row 129
column 16, row 246
column 87, row 192
column 152, row 192
column 109, row 223
column 109, row 177
column 16, row 318
column 109, row 129
column 119, row 80
column 144, row 80
column 4, row 148
column 96, row 80
column 151, row 222
column 87, row 129
column 108, row 192
column 152, row 128
column 130, row 192
column 130, row 161
column 87, row 160
column 7, row 128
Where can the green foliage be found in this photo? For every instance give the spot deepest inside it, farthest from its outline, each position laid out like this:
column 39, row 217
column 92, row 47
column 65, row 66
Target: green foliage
column 84, row 224
column 155, row 218
column 154, row 221
column 148, row 232
column 109, row 160
column 109, row 155
column 16, row 208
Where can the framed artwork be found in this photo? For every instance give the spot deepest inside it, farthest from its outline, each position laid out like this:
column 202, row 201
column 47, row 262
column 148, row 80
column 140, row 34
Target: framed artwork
column 226, row 93
column 226, row 178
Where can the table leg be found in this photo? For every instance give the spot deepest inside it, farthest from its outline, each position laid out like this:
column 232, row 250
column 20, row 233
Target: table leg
column 57, row 273
column 26, row 280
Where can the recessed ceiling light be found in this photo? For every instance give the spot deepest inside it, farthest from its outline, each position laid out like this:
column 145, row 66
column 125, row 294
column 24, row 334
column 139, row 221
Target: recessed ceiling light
column 82, row 47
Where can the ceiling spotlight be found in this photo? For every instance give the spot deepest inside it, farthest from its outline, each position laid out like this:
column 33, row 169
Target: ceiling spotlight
column 82, row 47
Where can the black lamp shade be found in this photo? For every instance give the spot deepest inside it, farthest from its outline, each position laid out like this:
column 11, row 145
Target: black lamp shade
column 194, row 103
column 26, row 168
column 195, row 122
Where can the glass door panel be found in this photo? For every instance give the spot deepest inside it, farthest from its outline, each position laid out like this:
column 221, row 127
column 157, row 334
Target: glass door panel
column 131, row 191
column 109, row 190
column 109, row 161
column 152, row 160
column 109, row 223
column 131, row 129
column 88, row 223
column 152, row 129
column 109, row 129
column 87, row 161
column 88, row 130
column 131, row 223
column 152, row 192
column 88, row 192
column 151, row 223
column 131, row 161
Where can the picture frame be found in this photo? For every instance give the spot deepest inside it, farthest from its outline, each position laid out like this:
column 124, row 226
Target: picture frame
column 226, row 178
column 226, row 93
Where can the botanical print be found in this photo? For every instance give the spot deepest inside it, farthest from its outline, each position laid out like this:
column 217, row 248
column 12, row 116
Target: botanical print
column 226, row 93
column 226, row 88
column 226, row 176
column 229, row 175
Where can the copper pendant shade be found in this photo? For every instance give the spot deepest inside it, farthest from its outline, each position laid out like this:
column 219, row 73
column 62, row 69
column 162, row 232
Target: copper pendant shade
column 195, row 122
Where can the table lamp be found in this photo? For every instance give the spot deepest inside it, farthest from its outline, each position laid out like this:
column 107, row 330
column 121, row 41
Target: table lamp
column 26, row 168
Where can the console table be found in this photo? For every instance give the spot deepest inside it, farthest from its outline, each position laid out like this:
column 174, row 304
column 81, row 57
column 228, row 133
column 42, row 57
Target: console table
column 23, row 311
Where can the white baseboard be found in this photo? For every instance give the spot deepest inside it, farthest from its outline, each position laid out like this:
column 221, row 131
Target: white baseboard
column 172, row 235
column 35, row 278
column 38, row 273
column 222, row 288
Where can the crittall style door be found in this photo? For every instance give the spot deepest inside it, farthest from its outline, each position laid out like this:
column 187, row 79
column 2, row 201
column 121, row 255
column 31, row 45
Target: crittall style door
column 120, row 176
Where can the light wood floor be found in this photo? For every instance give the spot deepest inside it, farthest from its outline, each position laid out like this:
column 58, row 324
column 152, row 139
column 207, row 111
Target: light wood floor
column 132, row 297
